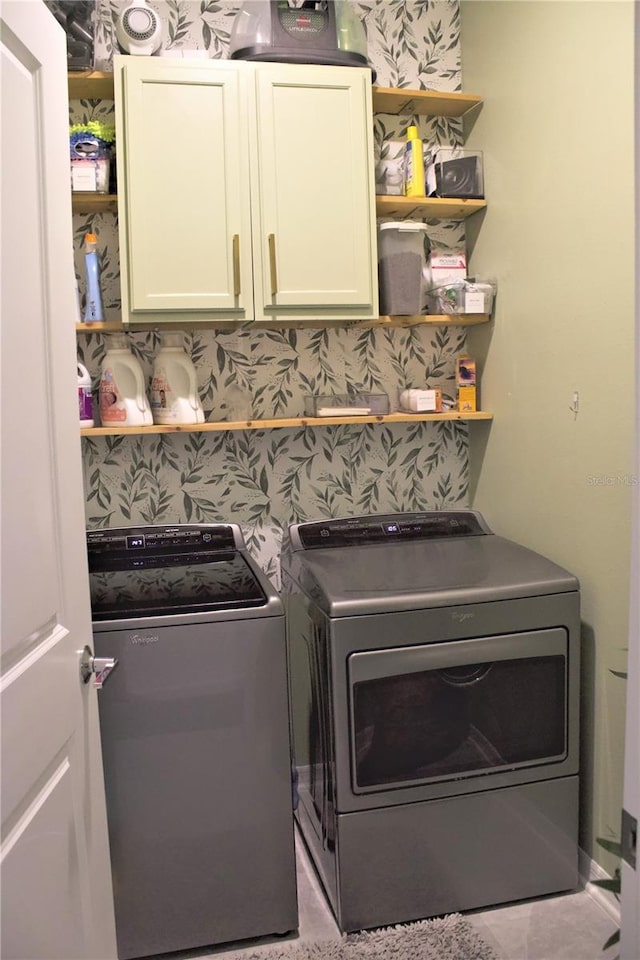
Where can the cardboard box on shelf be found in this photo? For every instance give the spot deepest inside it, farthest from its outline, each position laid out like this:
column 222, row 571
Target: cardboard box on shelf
column 454, row 172
column 445, row 268
column 466, row 372
column 467, row 399
column 421, row 401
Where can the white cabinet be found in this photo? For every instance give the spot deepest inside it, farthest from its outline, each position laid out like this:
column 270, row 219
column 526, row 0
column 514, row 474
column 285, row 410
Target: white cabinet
column 246, row 191
column 315, row 191
column 183, row 183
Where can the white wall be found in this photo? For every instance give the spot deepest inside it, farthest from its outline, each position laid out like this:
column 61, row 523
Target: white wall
column 558, row 234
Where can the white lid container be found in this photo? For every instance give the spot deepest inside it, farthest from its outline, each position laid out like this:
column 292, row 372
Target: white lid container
column 401, row 262
column 174, row 385
column 396, row 227
column 123, row 398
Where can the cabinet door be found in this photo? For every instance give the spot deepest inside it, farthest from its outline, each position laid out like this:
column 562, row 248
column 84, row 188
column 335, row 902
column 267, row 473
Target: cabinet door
column 314, row 212
column 185, row 227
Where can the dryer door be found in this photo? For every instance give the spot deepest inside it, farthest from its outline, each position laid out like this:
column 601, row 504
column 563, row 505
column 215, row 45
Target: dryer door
column 460, row 709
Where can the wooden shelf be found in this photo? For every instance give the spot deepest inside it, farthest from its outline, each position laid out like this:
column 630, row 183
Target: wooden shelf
column 93, row 202
column 107, row 326
column 424, row 103
column 98, row 85
column 90, row 85
column 429, row 319
column 432, row 320
column 275, row 424
column 440, row 208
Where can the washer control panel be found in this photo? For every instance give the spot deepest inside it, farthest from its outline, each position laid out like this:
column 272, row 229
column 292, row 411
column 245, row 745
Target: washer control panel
column 158, row 540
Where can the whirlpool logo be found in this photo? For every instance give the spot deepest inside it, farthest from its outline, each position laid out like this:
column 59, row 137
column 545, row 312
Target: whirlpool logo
column 139, row 639
column 461, row 617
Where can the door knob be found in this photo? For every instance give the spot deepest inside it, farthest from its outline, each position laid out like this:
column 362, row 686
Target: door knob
column 100, row 668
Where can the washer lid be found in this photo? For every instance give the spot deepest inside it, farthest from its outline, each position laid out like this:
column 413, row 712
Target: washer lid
column 422, row 572
column 156, row 587
column 169, row 570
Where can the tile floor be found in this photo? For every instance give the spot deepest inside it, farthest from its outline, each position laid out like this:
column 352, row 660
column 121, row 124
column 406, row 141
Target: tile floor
column 572, row 926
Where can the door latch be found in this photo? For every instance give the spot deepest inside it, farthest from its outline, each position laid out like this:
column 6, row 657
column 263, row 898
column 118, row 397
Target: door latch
column 629, row 838
column 100, row 668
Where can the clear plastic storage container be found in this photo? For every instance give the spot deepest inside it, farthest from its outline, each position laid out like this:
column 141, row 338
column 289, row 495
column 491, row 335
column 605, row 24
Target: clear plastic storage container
column 465, row 296
column 401, row 264
column 351, row 405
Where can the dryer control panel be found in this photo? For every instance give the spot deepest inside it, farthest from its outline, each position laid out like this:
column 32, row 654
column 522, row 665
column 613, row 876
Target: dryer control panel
column 356, row 531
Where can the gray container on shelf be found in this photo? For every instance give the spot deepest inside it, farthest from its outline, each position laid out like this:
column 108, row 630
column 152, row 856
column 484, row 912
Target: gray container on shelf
column 400, row 267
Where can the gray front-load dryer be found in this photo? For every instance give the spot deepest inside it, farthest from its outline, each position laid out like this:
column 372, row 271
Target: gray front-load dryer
column 195, row 738
column 434, row 690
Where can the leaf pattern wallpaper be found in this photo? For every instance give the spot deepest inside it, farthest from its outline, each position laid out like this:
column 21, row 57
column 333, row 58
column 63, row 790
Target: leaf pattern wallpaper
column 266, row 479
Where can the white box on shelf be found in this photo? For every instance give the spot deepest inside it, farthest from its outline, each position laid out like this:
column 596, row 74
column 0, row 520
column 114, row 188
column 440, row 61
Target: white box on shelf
column 421, row 401
column 445, row 268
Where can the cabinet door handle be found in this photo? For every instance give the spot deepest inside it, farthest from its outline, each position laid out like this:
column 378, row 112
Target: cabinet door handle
column 236, row 265
column 272, row 264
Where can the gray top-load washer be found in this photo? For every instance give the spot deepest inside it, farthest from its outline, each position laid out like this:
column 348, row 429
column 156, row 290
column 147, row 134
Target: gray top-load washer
column 195, row 737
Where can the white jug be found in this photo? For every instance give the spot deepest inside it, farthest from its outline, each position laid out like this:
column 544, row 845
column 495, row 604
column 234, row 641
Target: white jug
column 123, row 398
column 174, row 386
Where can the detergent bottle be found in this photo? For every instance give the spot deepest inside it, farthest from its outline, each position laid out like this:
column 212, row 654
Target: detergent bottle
column 174, row 386
column 85, row 399
column 413, row 165
column 93, row 308
column 123, row 399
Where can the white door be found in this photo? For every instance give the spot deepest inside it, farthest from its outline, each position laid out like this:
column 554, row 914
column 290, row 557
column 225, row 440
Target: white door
column 630, row 896
column 630, row 867
column 56, row 883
